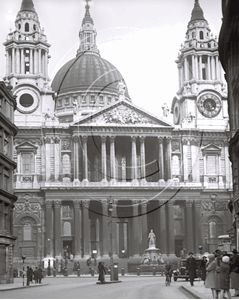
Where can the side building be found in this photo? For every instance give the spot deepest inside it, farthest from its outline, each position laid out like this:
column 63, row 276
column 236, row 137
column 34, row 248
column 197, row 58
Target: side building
column 229, row 56
column 8, row 131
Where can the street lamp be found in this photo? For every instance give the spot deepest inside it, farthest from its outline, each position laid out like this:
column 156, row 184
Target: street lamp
column 23, row 271
column 123, row 253
column 94, row 255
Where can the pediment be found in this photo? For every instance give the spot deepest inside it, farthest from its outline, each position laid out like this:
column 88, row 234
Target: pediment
column 122, row 113
column 26, row 147
column 211, row 149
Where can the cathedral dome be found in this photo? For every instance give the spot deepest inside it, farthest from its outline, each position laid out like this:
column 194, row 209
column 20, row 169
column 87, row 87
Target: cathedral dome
column 88, row 73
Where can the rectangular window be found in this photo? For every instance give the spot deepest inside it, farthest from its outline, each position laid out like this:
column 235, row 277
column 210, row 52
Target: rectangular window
column 211, row 165
column 88, row 37
column 27, row 163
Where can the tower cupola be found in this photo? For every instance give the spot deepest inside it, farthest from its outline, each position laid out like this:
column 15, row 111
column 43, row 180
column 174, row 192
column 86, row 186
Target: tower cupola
column 87, row 34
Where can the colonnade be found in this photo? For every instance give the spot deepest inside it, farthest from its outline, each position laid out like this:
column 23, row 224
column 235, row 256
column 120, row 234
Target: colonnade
column 164, row 158
column 192, row 66
column 138, row 228
column 17, row 58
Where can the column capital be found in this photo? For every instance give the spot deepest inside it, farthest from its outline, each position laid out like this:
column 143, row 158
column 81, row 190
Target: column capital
column 85, row 203
column 48, row 204
column 171, row 203
column 189, row 203
column 135, row 202
column 160, row 139
column 185, row 142
column 133, row 138
column 143, row 203
column 112, row 138
column 168, row 139
column 76, row 204
column 75, row 138
column 103, row 138
column 56, row 140
column 162, row 202
column 194, row 142
column 197, row 203
column 57, row 203
column 142, row 139
column 85, row 138
column 47, row 140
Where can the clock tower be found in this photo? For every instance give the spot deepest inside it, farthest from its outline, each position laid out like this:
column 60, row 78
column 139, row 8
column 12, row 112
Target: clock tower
column 201, row 101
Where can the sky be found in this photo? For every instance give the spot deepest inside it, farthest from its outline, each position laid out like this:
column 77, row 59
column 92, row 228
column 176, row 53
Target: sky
column 141, row 38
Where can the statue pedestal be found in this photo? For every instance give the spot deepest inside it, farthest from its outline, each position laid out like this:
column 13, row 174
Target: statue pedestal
column 153, row 254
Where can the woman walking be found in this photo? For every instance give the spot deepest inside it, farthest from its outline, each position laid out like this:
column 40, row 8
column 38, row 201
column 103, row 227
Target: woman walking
column 210, row 281
column 202, row 268
column 234, row 264
column 225, row 277
column 101, row 271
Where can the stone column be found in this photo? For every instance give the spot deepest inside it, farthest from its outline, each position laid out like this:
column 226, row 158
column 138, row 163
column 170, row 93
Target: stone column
column 185, row 68
column 7, row 63
column 193, row 66
column 114, row 228
column 48, row 157
column 85, row 160
column 76, row 159
column 31, row 63
column 198, row 224
column 13, row 60
column 57, row 227
column 22, row 62
column 196, row 67
column 135, row 223
column 35, row 61
column 163, row 228
column 169, row 150
column 46, row 64
column 86, row 228
column 227, row 165
column 161, row 159
column 18, row 61
column 77, row 229
column 49, row 227
column 213, row 67
column 200, row 67
column 142, row 159
column 112, row 160
column 103, row 160
column 144, row 225
column 171, row 240
column 189, row 226
column 208, row 69
column 195, row 161
column 105, row 229
column 39, row 61
column 217, row 68
column 185, row 159
column 57, row 155
column 134, row 160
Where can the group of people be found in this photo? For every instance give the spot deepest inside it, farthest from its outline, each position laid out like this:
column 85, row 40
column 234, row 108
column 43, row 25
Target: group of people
column 219, row 271
column 35, row 275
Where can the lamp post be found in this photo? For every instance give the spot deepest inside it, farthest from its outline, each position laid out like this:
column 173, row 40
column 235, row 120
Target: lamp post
column 94, row 255
column 23, row 271
column 110, row 208
column 123, row 253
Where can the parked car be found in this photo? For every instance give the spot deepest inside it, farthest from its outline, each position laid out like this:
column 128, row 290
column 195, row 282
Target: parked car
column 181, row 272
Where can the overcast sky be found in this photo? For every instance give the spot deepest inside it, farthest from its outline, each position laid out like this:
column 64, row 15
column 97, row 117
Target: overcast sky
column 139, row 37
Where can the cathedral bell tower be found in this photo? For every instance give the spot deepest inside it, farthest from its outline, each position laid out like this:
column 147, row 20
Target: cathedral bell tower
column 201, row 99
column 27, row 54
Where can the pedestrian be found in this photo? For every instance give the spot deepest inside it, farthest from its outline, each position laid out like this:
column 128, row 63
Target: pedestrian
column 202, row 268
column 225, row 277
column 218, row 259
column 210, row 281
column 31, row 275
column 36, row 275
column 168, row 270
column 28, row 275
column 101, row 271
column 191, row 267
column 39, row 271
column 234, row 265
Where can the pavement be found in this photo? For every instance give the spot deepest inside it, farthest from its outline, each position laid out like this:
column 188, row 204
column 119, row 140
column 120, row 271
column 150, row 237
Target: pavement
column 198, row 291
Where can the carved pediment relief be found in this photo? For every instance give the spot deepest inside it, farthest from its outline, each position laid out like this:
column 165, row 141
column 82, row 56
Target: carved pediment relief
column 122, row 114
column 26, row 147
column 211, row 149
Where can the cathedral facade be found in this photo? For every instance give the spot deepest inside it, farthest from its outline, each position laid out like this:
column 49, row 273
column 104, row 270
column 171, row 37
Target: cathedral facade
column 95, row 173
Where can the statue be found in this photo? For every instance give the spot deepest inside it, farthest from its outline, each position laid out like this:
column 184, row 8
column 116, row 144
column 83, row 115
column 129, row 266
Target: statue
column 152, row 239
column 165, row 109
column 75, row 106
column 121, row 87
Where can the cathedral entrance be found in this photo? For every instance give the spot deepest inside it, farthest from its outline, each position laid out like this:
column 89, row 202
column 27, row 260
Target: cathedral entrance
column 67, row 248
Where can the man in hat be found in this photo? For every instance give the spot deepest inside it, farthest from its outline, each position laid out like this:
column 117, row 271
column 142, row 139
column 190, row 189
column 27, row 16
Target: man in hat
column 191, row 267
column 234, row 264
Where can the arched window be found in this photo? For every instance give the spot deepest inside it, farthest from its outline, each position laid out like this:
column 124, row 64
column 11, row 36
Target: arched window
column 27, row 27
column 212, row 230
column 201, row 35
column 19, row 26
column 27, row 232
column 34, row 27
column 193, row 34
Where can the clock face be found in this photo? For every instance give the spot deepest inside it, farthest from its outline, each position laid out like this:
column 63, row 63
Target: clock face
column 209, row 105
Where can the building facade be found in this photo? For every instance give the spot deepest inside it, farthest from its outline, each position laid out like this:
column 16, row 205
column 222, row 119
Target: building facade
column 83, row 147
column 228, row 49
column 8, row 131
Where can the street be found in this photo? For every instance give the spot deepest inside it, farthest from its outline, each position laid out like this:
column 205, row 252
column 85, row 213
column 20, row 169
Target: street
column 131, row 287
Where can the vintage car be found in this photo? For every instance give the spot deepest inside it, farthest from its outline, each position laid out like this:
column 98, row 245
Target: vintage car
column 181, row 272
